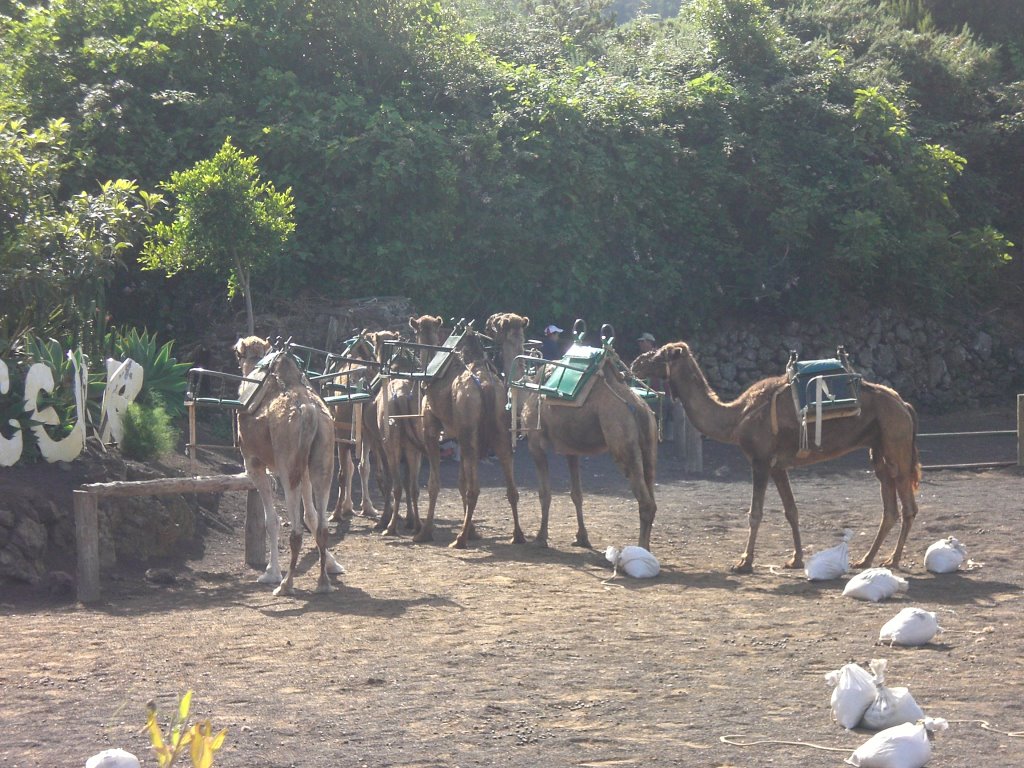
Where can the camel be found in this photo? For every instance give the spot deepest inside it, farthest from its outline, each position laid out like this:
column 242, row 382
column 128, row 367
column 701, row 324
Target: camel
column 365, row 348
column 612, row 418
column 466, row 402
column 886, row 425
column 288, row 430
column 509, row 331
column 396, row 424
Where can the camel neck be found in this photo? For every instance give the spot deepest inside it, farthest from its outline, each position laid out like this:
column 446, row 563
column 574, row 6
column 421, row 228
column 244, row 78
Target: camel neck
column 705, row 410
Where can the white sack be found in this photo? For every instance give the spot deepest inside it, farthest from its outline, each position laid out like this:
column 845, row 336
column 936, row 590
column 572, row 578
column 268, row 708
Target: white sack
column 830, row 563
column 903, row 746
column 875, row 584
column 635, row 561
column 911, row 626
column 853, row 694
column 113, row 758
column 892, row 706
column 945, row 555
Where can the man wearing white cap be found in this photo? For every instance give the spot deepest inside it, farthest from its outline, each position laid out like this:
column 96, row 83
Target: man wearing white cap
column 551, row 348
column 646, row 342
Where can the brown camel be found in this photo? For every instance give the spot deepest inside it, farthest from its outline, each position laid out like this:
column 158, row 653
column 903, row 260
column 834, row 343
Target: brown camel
column 466, row 402
column 397, row 424
column 509, row 331
column 612, row 418
column 369, row 347
column 886, row 425
column 288, row 430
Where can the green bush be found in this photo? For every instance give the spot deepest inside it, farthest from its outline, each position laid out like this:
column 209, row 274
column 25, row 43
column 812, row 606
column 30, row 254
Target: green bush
column 148, row 433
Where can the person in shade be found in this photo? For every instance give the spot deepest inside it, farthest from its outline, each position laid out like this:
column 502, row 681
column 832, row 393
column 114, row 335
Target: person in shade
column 551, row 348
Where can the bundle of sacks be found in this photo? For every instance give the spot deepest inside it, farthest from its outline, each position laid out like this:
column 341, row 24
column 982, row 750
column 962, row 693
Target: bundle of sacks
column 830, row 563
column 902, row 746
column 113, row 758
column 862, row 699
column 911, row 626
column 635, row 561
column 875, row 584
column 945, row 555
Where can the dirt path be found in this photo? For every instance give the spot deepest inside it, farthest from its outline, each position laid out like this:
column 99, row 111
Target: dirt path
column 519, row 656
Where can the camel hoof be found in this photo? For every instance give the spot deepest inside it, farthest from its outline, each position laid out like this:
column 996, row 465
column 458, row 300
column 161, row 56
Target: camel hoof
column 541, row 541
column 518, row 538
column 423, row 536
column 743, row 567
column 269, row 577
column 582, row 543
column 793, row 563
column 389, row 531
column 459, row 543
column 335, row 517
column 284, row 589
column 324, row 587
column 862, row 563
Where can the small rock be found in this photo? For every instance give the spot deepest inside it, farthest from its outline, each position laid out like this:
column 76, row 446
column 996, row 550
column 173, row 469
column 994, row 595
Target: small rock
column 161, row 576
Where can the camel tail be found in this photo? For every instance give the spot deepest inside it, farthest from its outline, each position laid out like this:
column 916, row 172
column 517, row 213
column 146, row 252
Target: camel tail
column 307, row 434
column 915, row 475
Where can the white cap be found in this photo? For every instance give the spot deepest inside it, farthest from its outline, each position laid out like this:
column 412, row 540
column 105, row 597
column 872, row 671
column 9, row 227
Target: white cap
column 552, row 329
column 647, row 337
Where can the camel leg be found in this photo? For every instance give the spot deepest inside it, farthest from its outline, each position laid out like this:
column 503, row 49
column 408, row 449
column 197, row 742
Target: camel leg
column 632, row 467
column 760, row 474
column 511, row 491
column 344, row 507
column 781, row 478
column 890, row 512
column 366, row 503
column 908, row 503
column 412, row 489
column 431, row 436
column 576, row 493
column 469, row 487
column 292, row 499
column 260, row 478
column 539, row 452
column 315, row 522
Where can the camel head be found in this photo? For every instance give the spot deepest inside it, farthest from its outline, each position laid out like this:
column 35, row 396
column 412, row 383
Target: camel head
column 509, row 330
column 377, row 339
column 427, row 328
column 249, row 351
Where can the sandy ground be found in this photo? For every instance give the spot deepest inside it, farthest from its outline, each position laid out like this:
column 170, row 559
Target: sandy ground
column 504, row 655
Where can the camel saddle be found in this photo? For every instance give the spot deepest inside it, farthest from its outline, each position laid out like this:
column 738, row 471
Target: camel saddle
column 569, row 380
column 822, row 390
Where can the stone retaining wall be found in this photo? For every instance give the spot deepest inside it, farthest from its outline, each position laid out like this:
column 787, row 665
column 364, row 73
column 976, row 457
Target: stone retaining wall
column 933, row 366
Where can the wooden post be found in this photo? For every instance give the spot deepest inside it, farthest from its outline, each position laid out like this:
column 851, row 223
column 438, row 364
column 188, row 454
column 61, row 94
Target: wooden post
column 87, row 541
column 255, row 531
column 693, row 446
column 1020, row 430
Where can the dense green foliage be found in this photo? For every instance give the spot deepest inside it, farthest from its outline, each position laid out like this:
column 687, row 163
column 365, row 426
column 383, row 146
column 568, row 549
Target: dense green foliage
column 148, row 433
column 743, row 156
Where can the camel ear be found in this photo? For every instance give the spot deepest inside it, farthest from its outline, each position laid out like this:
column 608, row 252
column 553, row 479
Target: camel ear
column 526, row 322
column 414, row 323
column 239, row 346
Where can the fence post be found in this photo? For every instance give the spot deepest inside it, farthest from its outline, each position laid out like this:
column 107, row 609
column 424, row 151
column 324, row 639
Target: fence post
column 87, row 541
column 1020, row 430
column 693, row 448
column 255, row 531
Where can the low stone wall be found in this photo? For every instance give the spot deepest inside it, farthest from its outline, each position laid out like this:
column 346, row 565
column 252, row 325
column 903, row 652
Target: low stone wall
column 932, row 365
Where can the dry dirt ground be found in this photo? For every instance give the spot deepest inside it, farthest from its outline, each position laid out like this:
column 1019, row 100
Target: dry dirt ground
column 504, row 655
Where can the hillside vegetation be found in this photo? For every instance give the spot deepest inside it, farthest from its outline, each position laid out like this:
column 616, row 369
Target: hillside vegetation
column 727, row 158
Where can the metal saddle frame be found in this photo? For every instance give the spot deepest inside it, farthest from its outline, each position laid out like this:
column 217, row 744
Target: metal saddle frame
column 822, row 390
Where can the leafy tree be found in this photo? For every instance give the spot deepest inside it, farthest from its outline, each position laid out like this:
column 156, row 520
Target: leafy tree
column 227, row 220
column 57, row 258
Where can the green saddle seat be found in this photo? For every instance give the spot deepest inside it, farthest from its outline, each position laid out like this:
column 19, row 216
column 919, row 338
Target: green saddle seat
column 825, row 386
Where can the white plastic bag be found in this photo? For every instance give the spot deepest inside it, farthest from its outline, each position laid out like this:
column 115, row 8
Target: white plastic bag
column 830, row 563
column 892, row 706
column 635, row 561
column 903, row 746
column 911, row 626
column 875, row 584
column 854, row 690
column 945, row 555
column 113, row 758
